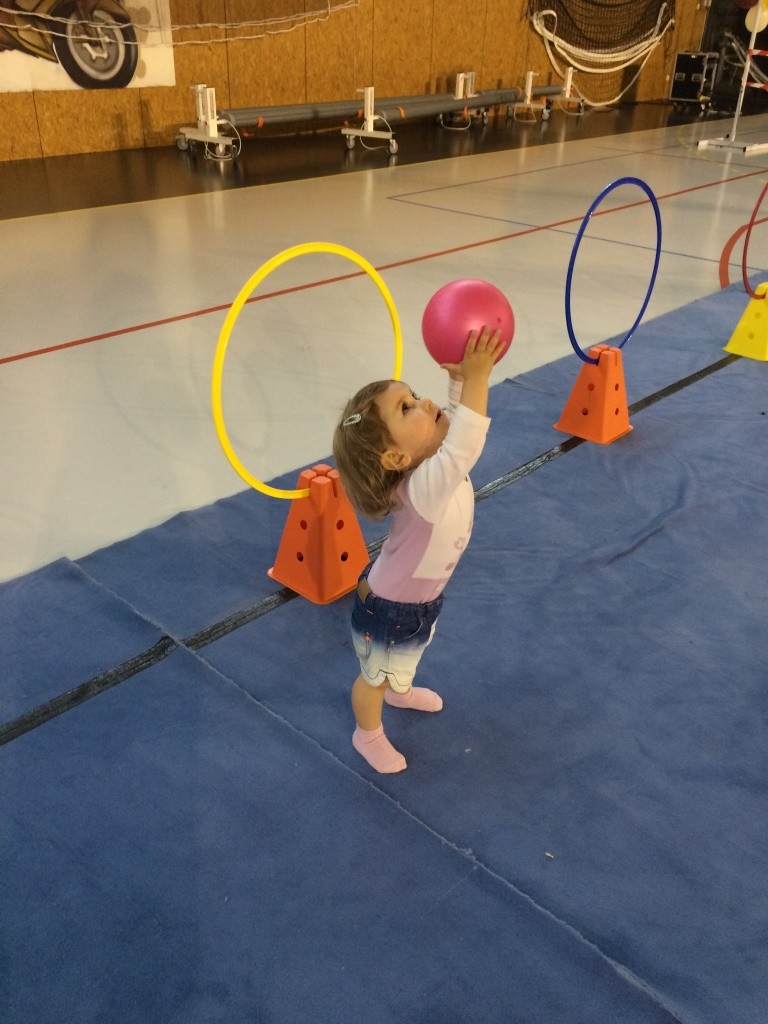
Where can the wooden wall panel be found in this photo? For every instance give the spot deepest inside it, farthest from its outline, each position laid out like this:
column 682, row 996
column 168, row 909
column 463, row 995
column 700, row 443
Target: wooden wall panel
column 270, row 70
column 506, row 27
column 20, row 139
column 363, row 55
column 653, row 83
column 331, row 49
column 457, row 42
column 198, row 12
column 402, row 46
column 340, row 54
column 89, row 121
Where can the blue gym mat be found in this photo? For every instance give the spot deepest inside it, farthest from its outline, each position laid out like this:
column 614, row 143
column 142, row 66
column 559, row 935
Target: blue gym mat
column 602, row 656
column 174, row 852
column 580, row 834
column 60, row 628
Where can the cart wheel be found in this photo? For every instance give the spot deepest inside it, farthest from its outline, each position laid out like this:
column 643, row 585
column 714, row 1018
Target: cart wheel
column 350, row 141
column 545, row 114
column 392, row 146
column 581, row 106
column 221, row 149
column 182, row 142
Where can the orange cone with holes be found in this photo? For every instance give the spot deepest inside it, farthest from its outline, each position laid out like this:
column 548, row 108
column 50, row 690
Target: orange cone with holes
column 597, row 407
column 322, row 551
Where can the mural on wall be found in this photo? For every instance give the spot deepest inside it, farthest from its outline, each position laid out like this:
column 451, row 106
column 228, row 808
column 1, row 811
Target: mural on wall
column 86, row 44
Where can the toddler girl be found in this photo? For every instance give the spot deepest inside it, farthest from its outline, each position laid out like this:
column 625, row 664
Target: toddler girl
column 398, row 453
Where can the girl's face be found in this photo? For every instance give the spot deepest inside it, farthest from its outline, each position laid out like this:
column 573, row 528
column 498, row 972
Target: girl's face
column 416, row 425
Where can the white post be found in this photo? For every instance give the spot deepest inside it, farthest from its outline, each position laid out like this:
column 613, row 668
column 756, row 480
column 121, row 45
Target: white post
column 368, row 114
column 568, row 82
column 210, row 111
column 744, row 78
column 205, row 108
column 199, row 91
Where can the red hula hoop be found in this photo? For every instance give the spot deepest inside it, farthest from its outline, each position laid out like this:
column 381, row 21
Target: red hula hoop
column 752, row 294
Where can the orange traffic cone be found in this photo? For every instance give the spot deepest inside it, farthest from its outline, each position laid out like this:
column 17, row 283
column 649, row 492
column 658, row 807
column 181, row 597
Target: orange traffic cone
column 597, row 407
column 322, row 551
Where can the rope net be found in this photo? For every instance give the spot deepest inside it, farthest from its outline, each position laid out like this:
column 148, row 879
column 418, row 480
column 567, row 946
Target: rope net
column 601, row 36
column 598, row 27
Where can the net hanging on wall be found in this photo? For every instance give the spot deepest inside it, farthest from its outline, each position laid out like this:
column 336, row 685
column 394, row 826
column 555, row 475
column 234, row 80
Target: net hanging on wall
column 276, row 17
column 601, row 36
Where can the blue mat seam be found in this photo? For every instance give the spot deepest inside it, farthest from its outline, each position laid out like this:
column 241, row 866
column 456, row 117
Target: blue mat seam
column 136, row 611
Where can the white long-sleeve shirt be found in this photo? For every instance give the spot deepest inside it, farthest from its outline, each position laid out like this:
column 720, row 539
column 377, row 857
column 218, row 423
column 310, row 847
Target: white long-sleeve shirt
column 432, row 520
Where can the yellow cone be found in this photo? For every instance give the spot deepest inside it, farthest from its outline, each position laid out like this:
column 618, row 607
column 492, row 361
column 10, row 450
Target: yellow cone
column 750, row 339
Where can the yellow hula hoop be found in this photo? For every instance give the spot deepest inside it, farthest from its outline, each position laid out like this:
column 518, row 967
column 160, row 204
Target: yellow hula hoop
column 234, row 311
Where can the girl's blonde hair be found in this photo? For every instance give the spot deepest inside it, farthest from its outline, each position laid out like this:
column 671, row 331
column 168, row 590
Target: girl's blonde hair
column 360, row 439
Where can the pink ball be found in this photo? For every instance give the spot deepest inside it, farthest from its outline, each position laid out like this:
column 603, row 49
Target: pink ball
column 460, row 307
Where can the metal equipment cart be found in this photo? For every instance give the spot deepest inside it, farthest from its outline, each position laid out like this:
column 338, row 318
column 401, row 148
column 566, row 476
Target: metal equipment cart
column 694, row 78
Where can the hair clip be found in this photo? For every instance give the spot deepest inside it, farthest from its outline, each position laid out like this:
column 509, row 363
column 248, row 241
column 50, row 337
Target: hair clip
column 350, row 421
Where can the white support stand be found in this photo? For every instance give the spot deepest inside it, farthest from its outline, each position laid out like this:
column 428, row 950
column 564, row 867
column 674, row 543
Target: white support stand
column 464, row 89
column 567, row 83
column 569, row 101
column 528, row 106
column 208, row 121
column 368, row 131
column 729, row 141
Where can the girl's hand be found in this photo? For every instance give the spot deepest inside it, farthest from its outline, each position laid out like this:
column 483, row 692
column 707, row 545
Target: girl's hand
column 479, row 356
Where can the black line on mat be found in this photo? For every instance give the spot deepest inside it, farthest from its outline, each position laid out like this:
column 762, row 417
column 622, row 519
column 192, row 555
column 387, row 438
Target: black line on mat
column 78, row 694
column 528, row 467
column 573, row 442
column 672, row 389
column 98, row 684
column 255, row 611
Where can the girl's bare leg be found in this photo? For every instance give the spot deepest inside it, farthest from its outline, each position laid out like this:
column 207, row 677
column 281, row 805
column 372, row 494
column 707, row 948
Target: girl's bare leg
column 368, row 738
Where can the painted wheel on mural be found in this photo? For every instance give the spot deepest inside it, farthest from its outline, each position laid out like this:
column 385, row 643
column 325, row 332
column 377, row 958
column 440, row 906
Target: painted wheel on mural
column 101, row 53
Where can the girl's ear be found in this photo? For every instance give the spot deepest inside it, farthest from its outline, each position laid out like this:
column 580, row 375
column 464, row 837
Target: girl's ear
column 394, row 459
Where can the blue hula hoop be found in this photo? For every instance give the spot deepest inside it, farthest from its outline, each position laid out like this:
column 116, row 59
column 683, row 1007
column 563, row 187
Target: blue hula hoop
column 580, row 234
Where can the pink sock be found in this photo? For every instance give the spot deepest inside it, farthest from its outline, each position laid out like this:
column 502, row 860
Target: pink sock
column 374, row 746
column 418, row 698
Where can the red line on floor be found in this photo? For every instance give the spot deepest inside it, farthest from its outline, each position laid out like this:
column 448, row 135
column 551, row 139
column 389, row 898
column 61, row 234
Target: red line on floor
column 170, row 319
column 393, row 266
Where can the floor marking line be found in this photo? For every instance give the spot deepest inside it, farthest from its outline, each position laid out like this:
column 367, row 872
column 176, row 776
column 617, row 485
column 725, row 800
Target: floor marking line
column 119, row 332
